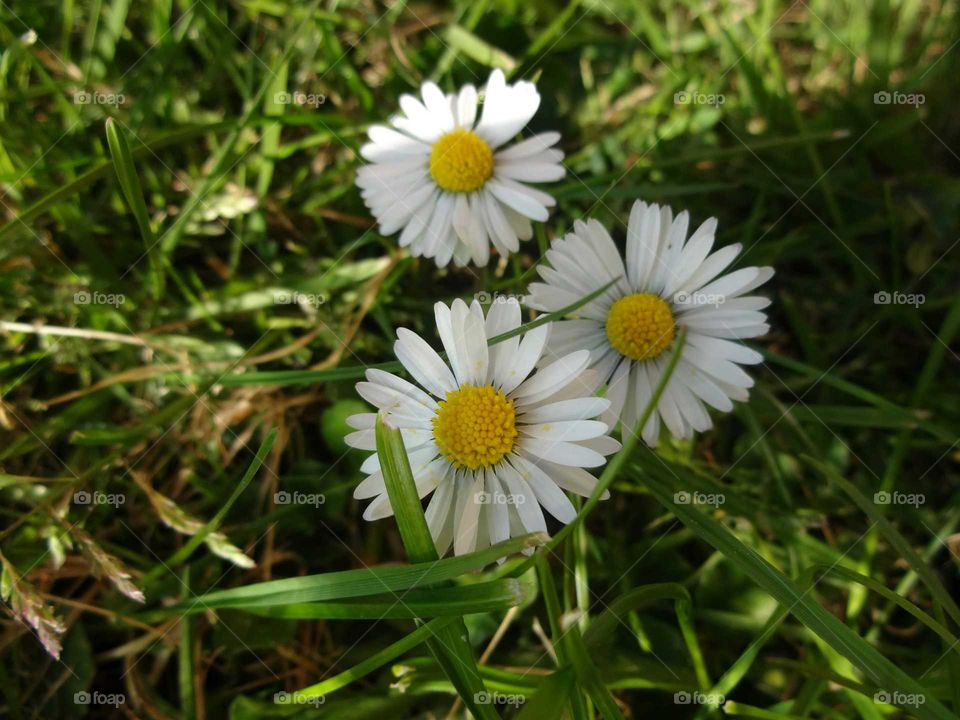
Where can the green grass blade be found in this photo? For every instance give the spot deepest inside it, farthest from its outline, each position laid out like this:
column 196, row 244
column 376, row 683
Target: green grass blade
column 449, row 646
column 495, row 596
column 350, row 583
column 550, row 697
column 377, row 660
column 128, row 179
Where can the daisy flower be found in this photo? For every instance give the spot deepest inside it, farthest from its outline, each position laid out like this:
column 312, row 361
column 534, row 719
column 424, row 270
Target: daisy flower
column 666, row 283
column 448, row 181
column 491, row 439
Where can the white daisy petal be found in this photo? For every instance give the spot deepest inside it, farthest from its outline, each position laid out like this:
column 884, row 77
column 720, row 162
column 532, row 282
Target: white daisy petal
column 525, row 171
column 498, row 517
column 468, row 225
column 419, row 121
column 423, row 363
column 516, row 199
column 561, row 453
column 501, row 318
column 531, row 146
column 573, row 479
column 467, row 106
column 519, row 367
column 565, row 430
column 643, row 241
column 378, row 509
column 524, row 500
column 546, row 490
column 437, row 104
column 502, row 235
column 506, row 109
column 470, row 336
column 520, row 224
column 438, row 511
column 603, row 444
column 362, row 421
column 370, row 486
column 468, row 516
column 581, row 408
column 552, row 378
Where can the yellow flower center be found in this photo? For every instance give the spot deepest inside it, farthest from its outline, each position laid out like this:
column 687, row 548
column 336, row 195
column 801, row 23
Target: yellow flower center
column 461, row 161
column 475, row 426
column 640, row 326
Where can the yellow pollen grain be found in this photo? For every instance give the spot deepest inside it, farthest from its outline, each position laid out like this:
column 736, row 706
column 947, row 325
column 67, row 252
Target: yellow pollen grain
column 640, row 326
column 475, row 426
column 461, row 161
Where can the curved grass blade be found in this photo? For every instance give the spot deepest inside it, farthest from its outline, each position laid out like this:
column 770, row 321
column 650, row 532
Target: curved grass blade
column 377, row 660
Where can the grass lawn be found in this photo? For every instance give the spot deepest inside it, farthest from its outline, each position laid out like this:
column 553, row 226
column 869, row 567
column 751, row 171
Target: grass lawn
column 191, row 286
